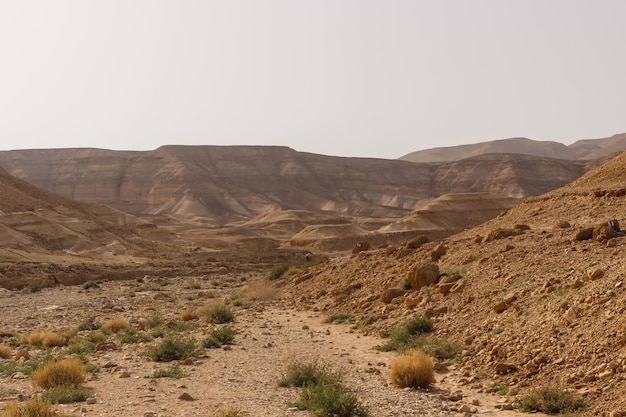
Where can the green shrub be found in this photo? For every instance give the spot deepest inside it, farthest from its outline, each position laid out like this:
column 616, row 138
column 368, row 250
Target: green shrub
column 330, row 400
column 339, row 318
column 551, row 400
column 278, row 272
column 173, row 372
column 171, row 349
column 67, row 394
column 419, row 324
column 218, row 313
column 219, row 337
column 131, row 335
column 299, row 374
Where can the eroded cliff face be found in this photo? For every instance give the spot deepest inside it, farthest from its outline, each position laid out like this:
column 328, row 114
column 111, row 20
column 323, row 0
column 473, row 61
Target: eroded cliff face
column 244, row 181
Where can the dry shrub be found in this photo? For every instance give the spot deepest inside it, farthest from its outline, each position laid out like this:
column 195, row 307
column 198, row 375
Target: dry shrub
column 217, row 313
column 48, row 339
column 36, row 407
column 188, row 315
column 5, row 351
column 66, row 372
column 117, row 324
column 261, row 291
column 51, row 339
column 412, row 369
column 34, row 338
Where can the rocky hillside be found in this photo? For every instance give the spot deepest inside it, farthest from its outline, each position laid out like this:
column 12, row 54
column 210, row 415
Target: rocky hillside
column 583, row 149
column 533, row 297
column 37, row 225
column 239, row 182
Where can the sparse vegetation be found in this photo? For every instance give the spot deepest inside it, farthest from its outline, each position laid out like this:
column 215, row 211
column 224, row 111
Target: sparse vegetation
column 339, row 318
column 228, row 412
column 188, row 315
column 47, row 339
column 551, row 400
column 5, row 351
column 412, row 369
column 67, row 394
column 132, row 335
column 35, row 407
column 330, row 400
column 219, row 337
column 63, row 373
column 89, row 285
column 173, row 372
column 278, row 272
column 171, row 349
column 299, row 374
column 218, row 313
column 116, row 324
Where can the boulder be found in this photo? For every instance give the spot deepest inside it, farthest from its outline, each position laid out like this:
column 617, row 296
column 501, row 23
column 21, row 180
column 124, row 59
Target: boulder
column 361, row 247
column 426, row 273
column 437, row 252
column 391, row 293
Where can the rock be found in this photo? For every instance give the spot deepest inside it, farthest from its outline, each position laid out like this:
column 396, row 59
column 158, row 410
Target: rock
column 390, row 294
column 572, row 314
column 606, row 231
column 19, row 375
column 186, row 397
column 505, row 368
column 594, row 274
column 464, row 409
column 361, row 247
column 104, row 346
column 91, row 401
column 444, row 288
column 426, row 273
column 499, row 234
column 439, row 251
column 500, row 307
column 417, row 242
column 563, row 224
column 584, row 234
column 22, row 354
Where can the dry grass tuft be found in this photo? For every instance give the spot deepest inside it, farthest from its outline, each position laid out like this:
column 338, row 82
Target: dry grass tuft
column 66, row 372
column 5, row 351
column 412, row 369
column 48, row 339
column 117, row 324
column 261, row 291
column 188, row 315
column 36, row 407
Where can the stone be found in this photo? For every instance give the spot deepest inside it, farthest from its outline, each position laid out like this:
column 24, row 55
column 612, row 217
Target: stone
column 572, row 314
column 505, row 368
column 426, row 273
column 594, row 273
column 438, row 252
column 391, row 293
column 186, row 397
column 500, row 307
column 361, row 247
column 584, row 234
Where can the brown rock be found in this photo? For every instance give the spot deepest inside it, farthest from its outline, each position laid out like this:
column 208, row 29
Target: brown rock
column 584, row 234
column 361, row 247
column 426, row 273
column 22, row 353
column 417, row 242
column 500, row 307
column 438, row 252
column 563, row 224
column 186, row 397
column 505, row 368
column 390, row 294
column 594, row 274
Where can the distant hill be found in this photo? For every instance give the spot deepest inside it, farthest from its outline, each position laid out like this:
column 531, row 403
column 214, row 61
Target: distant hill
column 231, row 183
column 583, row 149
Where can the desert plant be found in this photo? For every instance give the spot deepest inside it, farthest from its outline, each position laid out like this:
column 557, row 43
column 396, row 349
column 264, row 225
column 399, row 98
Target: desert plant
column 90, row 285
column 66, row 372
column 330, row 400
column 338, row 318
column 299, row 374
column 218, row 313
column 187, row 315
column 96, row 337
column 116, row 324
column 35, row 286
column 412, row 369
column 5, row 351
column 67, row 394
column 219, row 337
column 173, row 372
column 551, row 400
column 228, row 412
column 278, row 272
column 51, row 339
column 35, row 407
column 419, row 324
column 171, row 349
column 131, row 335
column 403, row 337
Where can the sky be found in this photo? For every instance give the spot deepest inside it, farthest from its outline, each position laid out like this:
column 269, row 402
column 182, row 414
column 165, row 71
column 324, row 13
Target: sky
column 359, row 78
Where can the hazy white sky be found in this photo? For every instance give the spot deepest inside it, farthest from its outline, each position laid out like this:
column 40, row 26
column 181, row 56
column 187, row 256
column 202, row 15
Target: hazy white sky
column 377, row 78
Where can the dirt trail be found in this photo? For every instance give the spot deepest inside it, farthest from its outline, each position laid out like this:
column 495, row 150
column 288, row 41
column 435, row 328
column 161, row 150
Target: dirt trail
column 243, row 375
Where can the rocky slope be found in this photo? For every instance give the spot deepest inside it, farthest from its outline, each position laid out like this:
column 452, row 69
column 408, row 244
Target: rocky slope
column 239, row 182
column 582, row 149
column 533, row 297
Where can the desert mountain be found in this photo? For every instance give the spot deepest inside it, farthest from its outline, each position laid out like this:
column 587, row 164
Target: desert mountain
column 242, row 182
column 583, row 149
column 534, row 297
column 35, row 220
